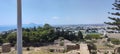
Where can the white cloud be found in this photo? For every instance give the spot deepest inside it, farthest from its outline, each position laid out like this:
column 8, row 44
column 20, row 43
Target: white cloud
column 55, row 17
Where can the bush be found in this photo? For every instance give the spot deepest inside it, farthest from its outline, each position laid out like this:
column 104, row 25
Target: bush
column 115, row 41
column 113, row 53
column 91, row 46
column 51, row 50
column 92, row 36
column 61, row 43
column 28, row 49
column 64, row 51
column 106, row 52
column 93, row 52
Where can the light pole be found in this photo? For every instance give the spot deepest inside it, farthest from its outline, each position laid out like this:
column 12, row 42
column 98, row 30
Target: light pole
column 19, row 27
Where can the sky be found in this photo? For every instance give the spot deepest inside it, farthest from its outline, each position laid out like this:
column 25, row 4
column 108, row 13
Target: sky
column 56, row 11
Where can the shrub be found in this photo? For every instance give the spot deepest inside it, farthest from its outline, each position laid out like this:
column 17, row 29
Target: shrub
column 113, row 53
column 51, row 50
column 93, row 52
column 28, row 49
column 91, row 46
column 92, row 36
column 115, row 41
column 61, row 43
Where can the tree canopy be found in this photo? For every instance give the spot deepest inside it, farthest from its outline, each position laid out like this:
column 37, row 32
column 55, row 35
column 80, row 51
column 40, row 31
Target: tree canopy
column 116, row 15
column 35, row 36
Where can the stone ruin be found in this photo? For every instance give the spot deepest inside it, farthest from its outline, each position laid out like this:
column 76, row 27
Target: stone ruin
column 69, row 47
column 60, row 50
column 65, row 48
column 57, row 42
column 6, row 47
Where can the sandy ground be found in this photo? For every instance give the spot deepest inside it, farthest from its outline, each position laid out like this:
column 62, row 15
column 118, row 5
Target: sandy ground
column 34, row 50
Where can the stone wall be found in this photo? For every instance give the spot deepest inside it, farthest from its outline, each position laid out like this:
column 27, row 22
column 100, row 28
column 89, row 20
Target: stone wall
column 60, row 50
column 72, row 47
column 6, row 47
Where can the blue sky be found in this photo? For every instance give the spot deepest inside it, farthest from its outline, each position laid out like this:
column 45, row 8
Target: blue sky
column 56, row 11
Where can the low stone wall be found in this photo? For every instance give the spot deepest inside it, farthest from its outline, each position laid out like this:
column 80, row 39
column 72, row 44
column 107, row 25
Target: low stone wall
column 6, row 47
column 72, row 47
column 61, row 50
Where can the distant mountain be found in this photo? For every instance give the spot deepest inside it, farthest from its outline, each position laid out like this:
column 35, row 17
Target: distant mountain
column 9, row 27
column 31, row 25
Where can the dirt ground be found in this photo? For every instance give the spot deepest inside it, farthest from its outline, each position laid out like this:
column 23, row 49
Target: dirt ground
column 34, row 50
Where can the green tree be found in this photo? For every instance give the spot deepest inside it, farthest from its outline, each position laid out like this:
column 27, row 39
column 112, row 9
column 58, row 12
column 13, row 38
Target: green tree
column 47, row 26
column 116, row 20
column 80, row 35
column 11, row 38
column 34, row 36
column 26, row 39
column 1, row 40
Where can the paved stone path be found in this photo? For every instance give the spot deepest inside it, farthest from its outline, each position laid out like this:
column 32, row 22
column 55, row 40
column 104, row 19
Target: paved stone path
column 84, row 49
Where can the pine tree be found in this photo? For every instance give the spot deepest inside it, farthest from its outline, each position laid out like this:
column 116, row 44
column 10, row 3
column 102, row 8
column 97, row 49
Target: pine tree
column 116, row 20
